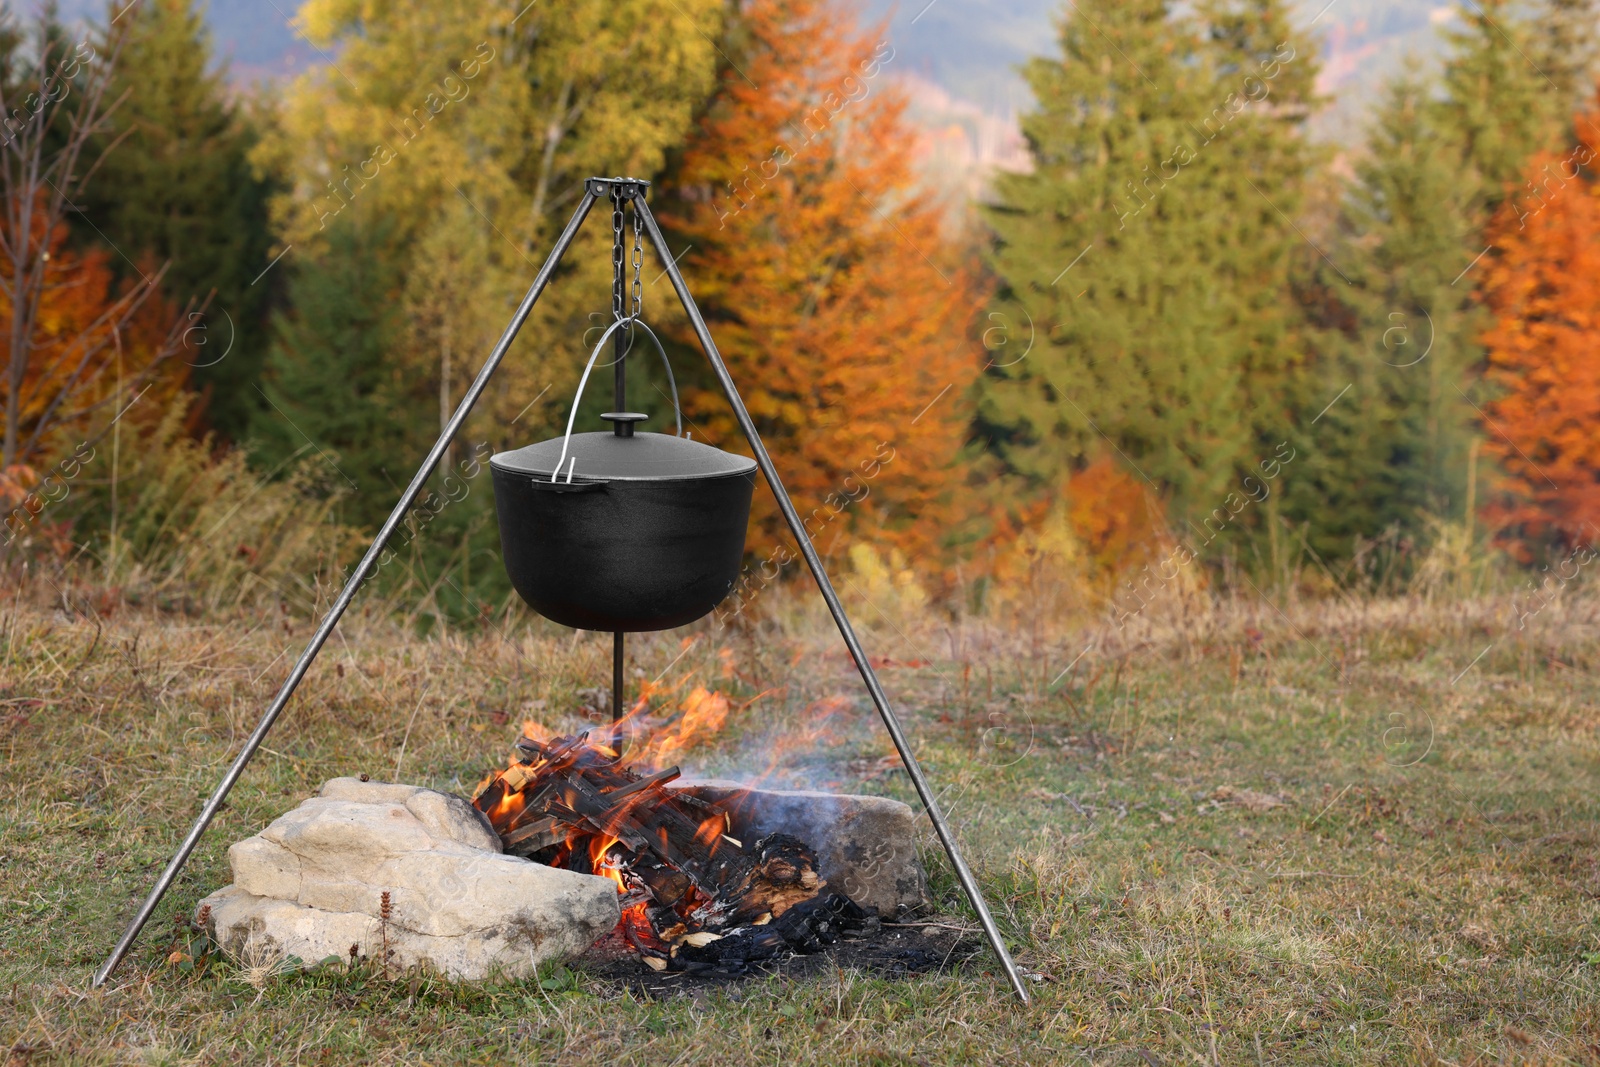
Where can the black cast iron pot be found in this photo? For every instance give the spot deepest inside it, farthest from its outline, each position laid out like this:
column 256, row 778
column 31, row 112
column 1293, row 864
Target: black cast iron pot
column 621, row 530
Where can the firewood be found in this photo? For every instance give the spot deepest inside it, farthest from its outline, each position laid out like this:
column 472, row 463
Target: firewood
column 535, row 835
column 701, row 939
column 696, row 898
column 517, row 776
column 784, row 875
column 659, row 778
column 669, row 885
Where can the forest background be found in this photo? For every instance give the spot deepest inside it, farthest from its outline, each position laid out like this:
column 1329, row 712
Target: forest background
column 1182, row 344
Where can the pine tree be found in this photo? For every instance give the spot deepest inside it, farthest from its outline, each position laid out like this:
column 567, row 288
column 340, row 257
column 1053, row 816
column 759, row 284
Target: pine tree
column 331, row 386
column 825, row 269
column 1385, row 427
column 1396, row 327
column 177, row 188
column 1568, row 32
column 1149, row 247
column 1498, row 106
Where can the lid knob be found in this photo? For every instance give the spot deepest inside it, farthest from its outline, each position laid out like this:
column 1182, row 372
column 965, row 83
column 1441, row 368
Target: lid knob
column 622, row 421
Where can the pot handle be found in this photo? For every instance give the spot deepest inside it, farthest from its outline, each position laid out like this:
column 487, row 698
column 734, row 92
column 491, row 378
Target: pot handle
column 567, row 487
column 583, row 381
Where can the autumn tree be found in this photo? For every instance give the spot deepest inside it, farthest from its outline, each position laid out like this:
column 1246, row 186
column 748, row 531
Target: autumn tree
column 468, row 128
column 1542, row 289
column 826, row 273
column 75, row 342
column 425, row 173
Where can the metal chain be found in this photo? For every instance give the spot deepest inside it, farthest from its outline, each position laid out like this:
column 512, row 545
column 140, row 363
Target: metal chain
column 618, row 285
column 638, row 261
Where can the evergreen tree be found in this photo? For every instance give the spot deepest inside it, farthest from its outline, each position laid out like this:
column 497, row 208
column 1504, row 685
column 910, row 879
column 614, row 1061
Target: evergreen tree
column 1150, row 248
column 1565, row 47
column 178, row 188
column 1498, row 106
column 1398, row 324
column 330, row 385
column 1394, row 339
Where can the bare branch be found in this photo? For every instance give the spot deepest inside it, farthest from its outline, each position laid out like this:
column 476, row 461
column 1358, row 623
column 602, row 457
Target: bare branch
column 43, row 142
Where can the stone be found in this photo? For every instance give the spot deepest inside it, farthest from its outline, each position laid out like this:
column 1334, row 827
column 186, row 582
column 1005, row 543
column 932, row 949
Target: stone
column 367, row 792
column 311, row 884
column 264, row 868
column 866, row 846
column 445, row 815
column 454, row 819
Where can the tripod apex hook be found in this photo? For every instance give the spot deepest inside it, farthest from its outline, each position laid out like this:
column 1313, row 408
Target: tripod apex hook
column 629, row 188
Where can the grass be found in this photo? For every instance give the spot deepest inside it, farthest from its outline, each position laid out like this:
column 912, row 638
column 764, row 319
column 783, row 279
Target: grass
column 1235, row 835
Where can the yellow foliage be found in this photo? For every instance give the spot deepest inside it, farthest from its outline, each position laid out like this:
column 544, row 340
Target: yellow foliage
column 482, row 119
column 1046, row 567
column 889, row 585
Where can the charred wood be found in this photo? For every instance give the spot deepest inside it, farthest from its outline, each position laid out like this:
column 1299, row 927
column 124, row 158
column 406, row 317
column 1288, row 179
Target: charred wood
column 695, row 898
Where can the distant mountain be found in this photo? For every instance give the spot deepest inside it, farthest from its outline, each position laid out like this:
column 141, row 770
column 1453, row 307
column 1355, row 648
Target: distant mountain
column 958, row 58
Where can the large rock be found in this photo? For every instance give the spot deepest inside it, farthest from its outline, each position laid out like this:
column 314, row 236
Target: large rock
column 866, row 846
column 311, row 885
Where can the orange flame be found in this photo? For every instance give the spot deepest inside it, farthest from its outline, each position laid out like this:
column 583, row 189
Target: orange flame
column 673, row 725
column 508, row 808
column 709, row 836
column 604, row 863
column 704, row 713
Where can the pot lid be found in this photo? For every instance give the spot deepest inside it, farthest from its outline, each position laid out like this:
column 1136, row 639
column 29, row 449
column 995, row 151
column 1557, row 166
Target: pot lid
column 639, row 457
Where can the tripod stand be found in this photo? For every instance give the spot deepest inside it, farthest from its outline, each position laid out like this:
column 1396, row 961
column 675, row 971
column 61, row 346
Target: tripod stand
column 619, row 190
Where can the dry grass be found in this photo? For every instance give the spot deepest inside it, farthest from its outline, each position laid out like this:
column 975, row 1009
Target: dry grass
column 1423, row 887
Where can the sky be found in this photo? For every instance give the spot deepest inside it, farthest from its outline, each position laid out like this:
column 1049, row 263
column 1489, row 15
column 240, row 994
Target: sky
column 972, row 47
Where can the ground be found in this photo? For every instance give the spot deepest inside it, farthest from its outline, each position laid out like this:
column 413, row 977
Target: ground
column 1263, row 831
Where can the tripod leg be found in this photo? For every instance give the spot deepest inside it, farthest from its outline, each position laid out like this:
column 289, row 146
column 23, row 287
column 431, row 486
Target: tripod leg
column 362, row 571
column 881, row 700
column 617, row 644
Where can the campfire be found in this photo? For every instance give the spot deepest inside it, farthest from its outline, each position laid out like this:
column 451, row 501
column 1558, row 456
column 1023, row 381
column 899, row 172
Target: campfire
column 694, row 897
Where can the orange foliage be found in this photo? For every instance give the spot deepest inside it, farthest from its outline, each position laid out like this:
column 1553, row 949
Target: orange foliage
column 1544, row 353
column 70, row 380
column 828, row 281
column 1103, row 524
column 1114, row 516
column 71, row 374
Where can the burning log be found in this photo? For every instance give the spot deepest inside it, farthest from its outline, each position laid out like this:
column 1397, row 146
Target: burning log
column 695, row 898
column 783, row 873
